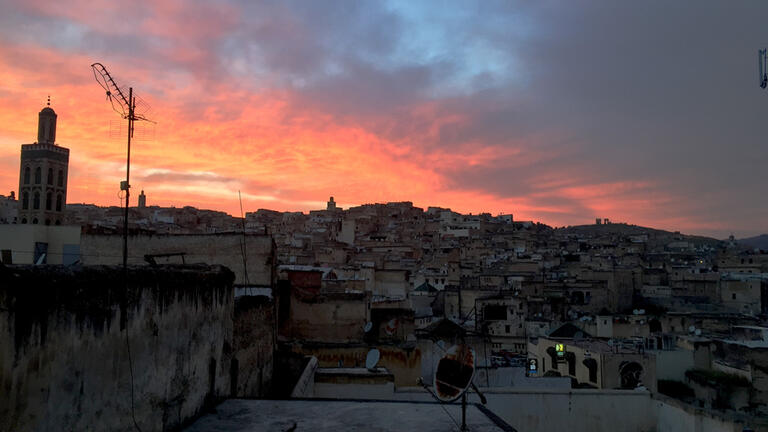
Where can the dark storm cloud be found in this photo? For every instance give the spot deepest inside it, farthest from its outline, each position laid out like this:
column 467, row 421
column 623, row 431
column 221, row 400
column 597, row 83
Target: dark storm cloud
column 656, row 101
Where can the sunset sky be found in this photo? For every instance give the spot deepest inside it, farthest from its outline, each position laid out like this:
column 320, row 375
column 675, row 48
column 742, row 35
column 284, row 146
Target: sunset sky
column 555, row 111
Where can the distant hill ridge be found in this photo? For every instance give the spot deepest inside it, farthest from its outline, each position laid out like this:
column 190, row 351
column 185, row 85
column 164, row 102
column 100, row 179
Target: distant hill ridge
column 627, row 230
column 760, row 242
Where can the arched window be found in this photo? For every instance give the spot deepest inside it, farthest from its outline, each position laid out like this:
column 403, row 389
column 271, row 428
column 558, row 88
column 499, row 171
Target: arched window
column 61, row 178
column 50, row 176
column 38, row 175
column 34, row 221
column 59, row 202
column 47, row 221
column 58, row 222
column 36, row 201
column 48, row 201
column 23, row 220
column 26, row 175
column 25, row 200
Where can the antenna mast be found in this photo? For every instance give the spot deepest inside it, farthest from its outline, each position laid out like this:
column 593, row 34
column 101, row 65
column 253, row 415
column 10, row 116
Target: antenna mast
column 762, row 63
column 126, row 107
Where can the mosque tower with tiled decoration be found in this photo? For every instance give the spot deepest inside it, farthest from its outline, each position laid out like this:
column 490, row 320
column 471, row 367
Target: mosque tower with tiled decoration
column 43, row 175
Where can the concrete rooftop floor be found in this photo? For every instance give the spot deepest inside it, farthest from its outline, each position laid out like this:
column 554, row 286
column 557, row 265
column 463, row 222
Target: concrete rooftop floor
column 326, row 415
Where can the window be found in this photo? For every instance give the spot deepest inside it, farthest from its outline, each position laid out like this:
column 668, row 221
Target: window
column 495, row 312
column 48, row 201
column 47, row 221
column 25, row 201
column 733, row 296
column 61, row 178
column 59, row 202
column 506, row 328
column 36, row 201
column 34, row 221
column 26, row 175
column 38, row 175
column 50, row 176
column 23, row 220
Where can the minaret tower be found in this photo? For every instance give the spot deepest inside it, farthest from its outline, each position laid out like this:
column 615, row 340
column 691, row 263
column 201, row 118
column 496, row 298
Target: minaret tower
column 43, row 174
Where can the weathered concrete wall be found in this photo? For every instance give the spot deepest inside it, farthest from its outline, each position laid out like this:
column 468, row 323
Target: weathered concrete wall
column 220, row 248
column 21, row 239
column 403, row 363
column 254, row 346
column 64, row 358
column 558, row 410
column 673, row 415
column 338, row 318
column 582, row 410
column 576, row 410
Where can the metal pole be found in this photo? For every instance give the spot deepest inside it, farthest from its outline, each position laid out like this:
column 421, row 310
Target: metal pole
column 128, row 179
column 464, row 412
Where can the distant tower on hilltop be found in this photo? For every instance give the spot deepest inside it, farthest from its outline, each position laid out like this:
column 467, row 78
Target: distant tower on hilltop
column 331, row 204
column 43, row 174
column 142, row 199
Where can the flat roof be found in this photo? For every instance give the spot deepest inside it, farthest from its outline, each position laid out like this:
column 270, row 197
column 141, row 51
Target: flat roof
column 324, row 415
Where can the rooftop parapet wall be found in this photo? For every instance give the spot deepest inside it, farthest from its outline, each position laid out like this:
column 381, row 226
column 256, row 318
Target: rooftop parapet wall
column 218, row 248
column 64, row 346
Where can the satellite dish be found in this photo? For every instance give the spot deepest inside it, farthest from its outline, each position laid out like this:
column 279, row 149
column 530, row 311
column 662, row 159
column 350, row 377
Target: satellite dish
column 368, row 326
column 454, row 373
column 697, row 332
column 391, row 327
column 372, row 359
column 691, row 329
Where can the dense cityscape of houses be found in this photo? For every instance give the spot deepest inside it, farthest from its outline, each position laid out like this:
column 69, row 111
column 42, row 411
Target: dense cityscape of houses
column 607, row 306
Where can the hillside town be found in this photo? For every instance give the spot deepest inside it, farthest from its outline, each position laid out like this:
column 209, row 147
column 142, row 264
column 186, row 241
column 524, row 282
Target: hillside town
column 194, row 309
column 599, row 306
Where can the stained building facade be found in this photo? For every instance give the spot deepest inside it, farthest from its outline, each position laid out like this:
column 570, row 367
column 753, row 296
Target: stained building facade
column 43, row 175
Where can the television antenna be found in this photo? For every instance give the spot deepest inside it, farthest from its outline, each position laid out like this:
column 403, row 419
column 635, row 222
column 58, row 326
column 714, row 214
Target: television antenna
column 762, row 63
column 130, row 108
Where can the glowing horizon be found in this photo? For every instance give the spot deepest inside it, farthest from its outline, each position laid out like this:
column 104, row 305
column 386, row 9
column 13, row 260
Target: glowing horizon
column 481, row 109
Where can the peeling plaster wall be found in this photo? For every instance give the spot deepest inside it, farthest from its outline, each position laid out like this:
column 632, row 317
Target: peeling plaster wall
column 254, row 336
column 64, row 359
column 219, row 248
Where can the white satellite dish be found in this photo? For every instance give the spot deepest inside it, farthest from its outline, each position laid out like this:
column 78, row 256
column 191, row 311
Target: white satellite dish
column 368, row 326
column 372, row 359
column 697, row 332
column 691, row 329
